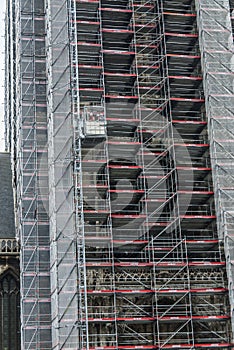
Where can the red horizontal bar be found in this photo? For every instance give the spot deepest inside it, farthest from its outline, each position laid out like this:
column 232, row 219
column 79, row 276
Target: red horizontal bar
column 118, row 52
column 122, row 97
column 122, row 216
column 192, row 168
column 123, row 319
column 130, row 242
column 199, row 145
column 195, row 192
column 207, row 263
column 195, row 241
column 126, row 191
column 148, row 46
column 123, row 143
column 115, row 10
column 180, row 14
column 88, row 66
column 161, row 291
column 198, row 216
column 107, row 30
column 97, row 211
column 120, row 74
column 162, row 264
column 184, row 56
column 145, row 25
column 187, row 99
column 168, row 346
column 124, row 166
column 208, row 345
column 87, row 44
column 124, row 347
column 182, row 35
column 88, row 22
column 122, row 119
column 184, row 77
column 152, row 224
column 165, row 318
column 91, row 89
column 189, row 122
column 87, row 1
column 218, row 317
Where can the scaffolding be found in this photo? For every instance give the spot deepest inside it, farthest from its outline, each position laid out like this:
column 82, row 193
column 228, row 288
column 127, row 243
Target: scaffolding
column 28, row 145
column 122, row 239
column 63, row 235
column 151, row 267
column 216, row 41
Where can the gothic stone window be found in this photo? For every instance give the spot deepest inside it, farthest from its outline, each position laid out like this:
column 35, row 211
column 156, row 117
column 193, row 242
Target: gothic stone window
column 9, row 311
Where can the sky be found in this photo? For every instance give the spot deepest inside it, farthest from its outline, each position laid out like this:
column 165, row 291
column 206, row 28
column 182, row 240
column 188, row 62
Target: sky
column 2, row 54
